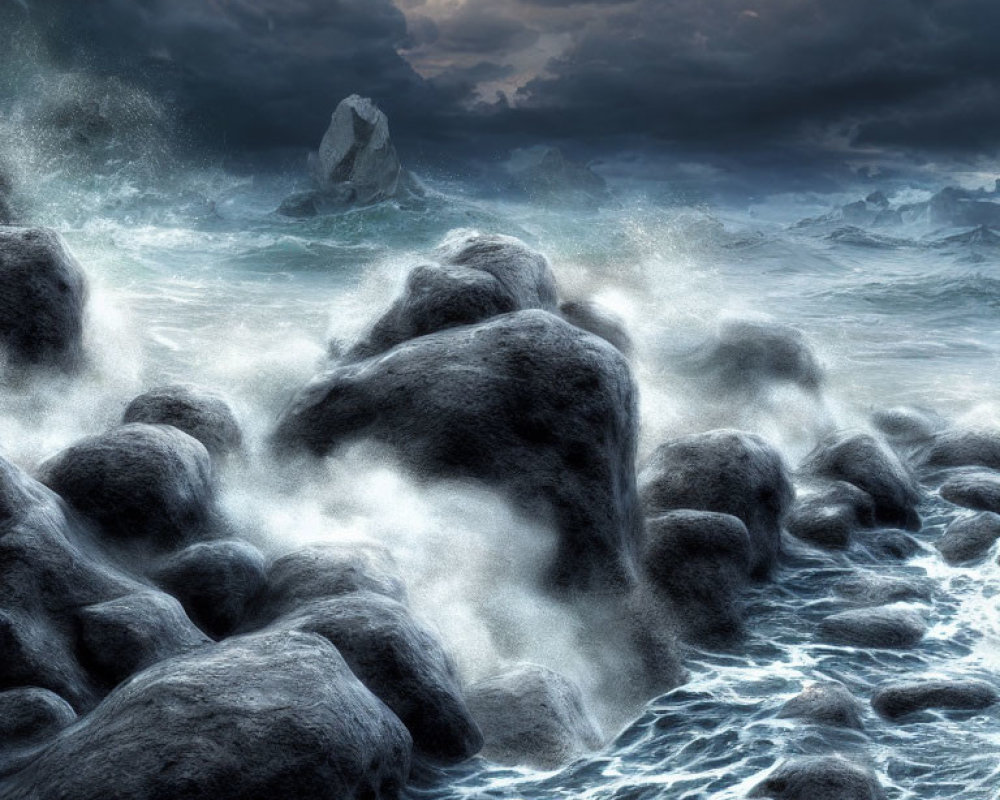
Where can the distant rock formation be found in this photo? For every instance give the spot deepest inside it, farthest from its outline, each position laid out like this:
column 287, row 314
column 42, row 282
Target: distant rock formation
column 357, row 164
column 542, row 172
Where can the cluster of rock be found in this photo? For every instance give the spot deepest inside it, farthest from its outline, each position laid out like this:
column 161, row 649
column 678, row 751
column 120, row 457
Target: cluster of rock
column 356, row 164
column 149, row 651
column 951, row 207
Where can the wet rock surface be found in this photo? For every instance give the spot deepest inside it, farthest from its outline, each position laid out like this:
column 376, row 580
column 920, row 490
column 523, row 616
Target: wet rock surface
column 895, row 626
column 898, row 700
column 970, row 539
column 978, row 491
column 43, row 301
column 201, row 414
column 728, row 472
column 533, row 716
column 830, row 778
column 825, row 704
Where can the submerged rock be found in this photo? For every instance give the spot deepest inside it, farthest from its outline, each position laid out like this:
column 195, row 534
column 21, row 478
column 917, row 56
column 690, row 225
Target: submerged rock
column 253, row 718
column 479, row 277
column 748, row 356
column 216, row 582
column 532, row 716
column 729, row 472
column 525, row 402
column 820, row 778
column 699, row 562
column 870, row 589
column 970, row 539
column 140, row 483
column 828, row 703
column 202, row 415
column 898, row 700
column 599, row 320
column 543, row 173
column 862, row 460
column 891, row 627
column 43, row 300
column 401, row 663
column 962, row 448
column 888, row 543
column 980, row 492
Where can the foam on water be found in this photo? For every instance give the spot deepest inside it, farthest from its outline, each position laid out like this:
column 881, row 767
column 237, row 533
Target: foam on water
column 194, row 279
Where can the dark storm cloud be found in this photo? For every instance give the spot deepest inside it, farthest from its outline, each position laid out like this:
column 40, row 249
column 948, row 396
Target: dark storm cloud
column 258, row 72
column 733, row 74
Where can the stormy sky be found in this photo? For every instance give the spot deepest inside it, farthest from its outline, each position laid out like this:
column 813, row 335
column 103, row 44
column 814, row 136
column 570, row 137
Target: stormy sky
column 918, row 77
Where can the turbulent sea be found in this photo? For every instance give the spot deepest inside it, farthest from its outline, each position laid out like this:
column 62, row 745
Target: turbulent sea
column 194, row 278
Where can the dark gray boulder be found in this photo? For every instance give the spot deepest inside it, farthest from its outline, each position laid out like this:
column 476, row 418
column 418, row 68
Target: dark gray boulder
column 357, row 163
column 29, row 715
column 402, row 663
column 829, row 516
column 962, row 448
column 201, row 414
column 525, row 402
column 898, row 700
column 906, row 425
column 599, row 320
column 700, row 563
column 216, row 582
column 479, row 277
column 749, row 356
column 532, row 716
column 139, row 483
column 896, row 626
column 253, row 718
column 123, row 636
column 729, row 472
column 319, row 572
column 43, row 300
column 48, row 573
column 969, row 540
column 862, row 460
column 979, row 491
column 820, row 778
column 828, row 703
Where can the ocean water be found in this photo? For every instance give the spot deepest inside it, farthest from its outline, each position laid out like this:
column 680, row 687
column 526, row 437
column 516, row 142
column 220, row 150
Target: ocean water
column 194, row 278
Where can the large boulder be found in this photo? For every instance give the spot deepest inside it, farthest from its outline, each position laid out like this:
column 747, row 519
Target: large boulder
column 478, row 277
column 907, row 425
column 43, row 300
column 201, row 414
column 216, row 582
column 525, row 402
column 356, row 164
column 830, row 514
column 599, row 320
column 729, row 472
column 864, row 461
column 699, row 562
column 402, row 663
column 253, row 718
column 749, row 356
column 140, row 483
column 48, row 574
column 978, row 491
column 532, row 716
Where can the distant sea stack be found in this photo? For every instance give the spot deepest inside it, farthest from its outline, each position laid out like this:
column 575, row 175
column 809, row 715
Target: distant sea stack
column 357, row 164
column 543, row 173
